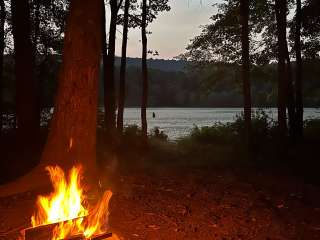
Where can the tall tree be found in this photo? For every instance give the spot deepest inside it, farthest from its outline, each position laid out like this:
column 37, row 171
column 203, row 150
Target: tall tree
column 144, row 99
column 298, row 83
column 109, row 79
column 245, row 67
column 122, row 86
column 290, row 96
column 150, row 10
column 281, row 7
column 72, row 136
column 2, row 45
column 36, row 24
column 28, row 115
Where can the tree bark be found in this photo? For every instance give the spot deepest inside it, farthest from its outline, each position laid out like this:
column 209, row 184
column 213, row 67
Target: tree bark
column 122, row 85
column 72, row 136
column 36, row 37
column 144, row 99
column 109, row 81
column 290, row 97
column 280, row 9
column 298, row 85
column 36, row 26
column 2, row 46
column 245, row 71
column 28, row 119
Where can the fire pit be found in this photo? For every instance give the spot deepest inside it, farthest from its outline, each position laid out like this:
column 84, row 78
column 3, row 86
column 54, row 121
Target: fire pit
column 65, row 214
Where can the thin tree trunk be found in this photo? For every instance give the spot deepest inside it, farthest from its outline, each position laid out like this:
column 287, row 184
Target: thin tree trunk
column 290, row 96
column 36, row 27
column 35, row 52
column 244, row 9
column 2, row 46
column 282, row 96
column 298, row 85
column 122, row 85
column 109, row 81
column 72, row 136
column 28, row 118
column 144, row 99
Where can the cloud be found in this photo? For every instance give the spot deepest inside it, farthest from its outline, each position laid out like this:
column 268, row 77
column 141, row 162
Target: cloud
column 171, row 31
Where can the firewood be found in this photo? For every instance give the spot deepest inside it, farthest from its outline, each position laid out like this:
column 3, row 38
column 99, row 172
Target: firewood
column 76, row 237
column 102, row 236
column 39, row 233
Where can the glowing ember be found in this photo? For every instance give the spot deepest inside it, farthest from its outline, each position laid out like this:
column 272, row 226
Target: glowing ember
column 67, row 206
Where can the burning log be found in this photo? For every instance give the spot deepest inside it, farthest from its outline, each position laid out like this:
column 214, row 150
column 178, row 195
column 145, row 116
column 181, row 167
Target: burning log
column 76, row 237
column 40, row 233
column 97, row 237
column 102, row 236
column 45, row 233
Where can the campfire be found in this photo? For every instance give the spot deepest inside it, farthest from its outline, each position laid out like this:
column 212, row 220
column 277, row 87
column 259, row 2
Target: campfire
column 66, row 212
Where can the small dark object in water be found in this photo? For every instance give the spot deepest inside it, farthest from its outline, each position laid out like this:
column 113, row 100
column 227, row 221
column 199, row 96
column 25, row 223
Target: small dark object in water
column 153, row 115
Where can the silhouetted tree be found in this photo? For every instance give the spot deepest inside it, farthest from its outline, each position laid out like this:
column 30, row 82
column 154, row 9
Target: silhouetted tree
column 122, row 86
column 108, row 61
column 144, row 68
column 149, row 13
column 27, row 110
column 2, row 46
column 281, row 12
column 72, row 135
column 290, row 95
column 298, row 83
column 244, row 19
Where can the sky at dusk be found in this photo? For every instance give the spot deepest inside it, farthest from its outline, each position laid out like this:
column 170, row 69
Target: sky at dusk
column 171, row 31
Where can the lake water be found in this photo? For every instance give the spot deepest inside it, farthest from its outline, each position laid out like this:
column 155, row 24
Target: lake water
column 178, row 122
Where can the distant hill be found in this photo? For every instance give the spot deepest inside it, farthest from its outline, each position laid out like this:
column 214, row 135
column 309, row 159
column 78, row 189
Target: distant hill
column 171, row 84
column 158, row 64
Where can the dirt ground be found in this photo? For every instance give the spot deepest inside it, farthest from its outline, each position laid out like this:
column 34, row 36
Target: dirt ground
column 199, row 203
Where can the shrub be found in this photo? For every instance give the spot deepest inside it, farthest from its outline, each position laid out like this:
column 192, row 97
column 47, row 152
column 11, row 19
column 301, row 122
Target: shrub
column 157, row 134
column 312, row 128
column 218, row 133
column 131, row 131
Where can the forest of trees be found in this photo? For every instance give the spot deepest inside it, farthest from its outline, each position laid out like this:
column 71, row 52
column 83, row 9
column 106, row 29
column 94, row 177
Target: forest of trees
column 243, row 58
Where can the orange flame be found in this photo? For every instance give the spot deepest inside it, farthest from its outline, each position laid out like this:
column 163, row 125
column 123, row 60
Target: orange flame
column 67, row 205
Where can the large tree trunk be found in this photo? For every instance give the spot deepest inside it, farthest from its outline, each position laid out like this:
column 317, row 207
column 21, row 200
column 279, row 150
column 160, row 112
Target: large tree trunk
column 28, row 119
column 109, row 81
column 280, row 9
column 144, row 99
column 244, row 11
column 72, row 136
column 298, row 85
column 2, row 45
column 122, row 85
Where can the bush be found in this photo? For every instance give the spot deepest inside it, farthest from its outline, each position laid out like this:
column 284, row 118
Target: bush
column 263, row 127
column 157, row 134
column 312, row 129
column 219, row 133
column 132, row 131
